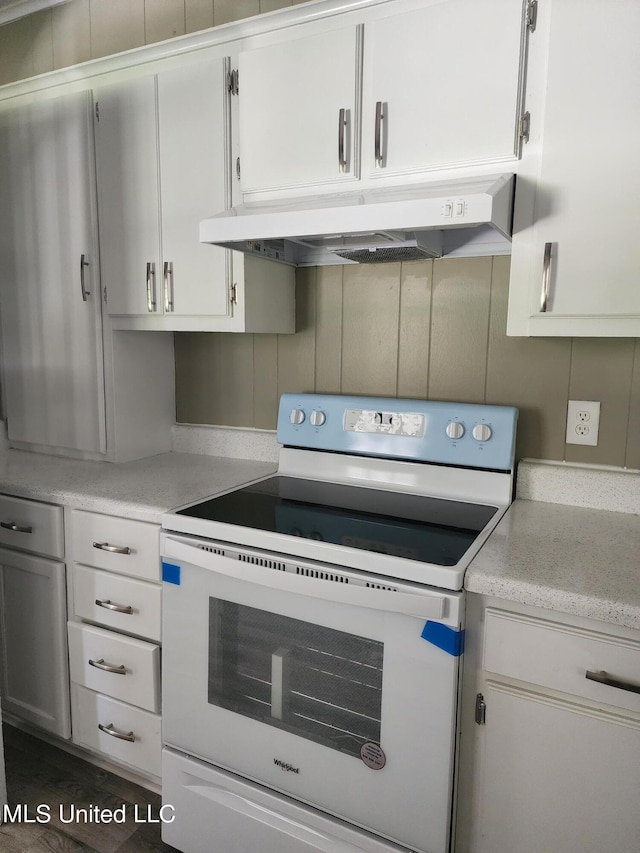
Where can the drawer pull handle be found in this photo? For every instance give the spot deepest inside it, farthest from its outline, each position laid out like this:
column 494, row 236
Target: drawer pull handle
column 119, row 608
column 113, row 549
column 111, row 730
column 604, row 678
column 108, row 667
column 11, row 525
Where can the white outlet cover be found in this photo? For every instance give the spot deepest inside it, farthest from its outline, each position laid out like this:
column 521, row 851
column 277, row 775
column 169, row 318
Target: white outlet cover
column 583, row 422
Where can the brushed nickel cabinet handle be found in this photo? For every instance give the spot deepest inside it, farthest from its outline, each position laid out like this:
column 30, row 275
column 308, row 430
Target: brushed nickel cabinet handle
column 168, row 286
column 151, row 287
column 83, row 286
column 342, row 130
column 118, row 608
column 108, row 667
column 546, row 277
column 11, row 525
column 378, row 154
column 604, row 678
column 113, row 549
column 113, row 731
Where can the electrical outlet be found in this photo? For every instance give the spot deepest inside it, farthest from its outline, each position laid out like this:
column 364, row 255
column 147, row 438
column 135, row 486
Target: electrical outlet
column 583, row 421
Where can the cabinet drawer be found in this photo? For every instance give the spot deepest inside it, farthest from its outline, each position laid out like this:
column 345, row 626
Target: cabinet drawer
column 559, row 656
column 116, row 544
column 118, row 602
column 32, row 526
column 135, row 673
column 141, row 744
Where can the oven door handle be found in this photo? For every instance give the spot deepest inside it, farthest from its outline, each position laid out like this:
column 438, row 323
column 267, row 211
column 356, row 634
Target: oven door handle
column 424, row 605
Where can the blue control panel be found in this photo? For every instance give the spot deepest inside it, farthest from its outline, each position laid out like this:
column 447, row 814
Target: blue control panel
column 463, row 434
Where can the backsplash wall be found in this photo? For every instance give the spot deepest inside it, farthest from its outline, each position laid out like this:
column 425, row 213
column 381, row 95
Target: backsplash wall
column 426, row 329
column 431, row 329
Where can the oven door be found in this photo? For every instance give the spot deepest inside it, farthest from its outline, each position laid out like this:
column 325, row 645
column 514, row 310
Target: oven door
column 340, row 696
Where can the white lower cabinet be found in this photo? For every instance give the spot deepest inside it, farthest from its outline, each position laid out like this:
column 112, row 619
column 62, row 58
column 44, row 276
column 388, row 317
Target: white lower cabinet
column 119, row 666
column 550, row 749
column 33, row 613
column 116, row 544
column 34, row 659
column 119, row 603
column 123, row 733
column 114, row 639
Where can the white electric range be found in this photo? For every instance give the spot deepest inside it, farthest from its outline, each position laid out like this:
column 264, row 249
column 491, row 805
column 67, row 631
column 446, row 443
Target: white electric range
column 313, row 629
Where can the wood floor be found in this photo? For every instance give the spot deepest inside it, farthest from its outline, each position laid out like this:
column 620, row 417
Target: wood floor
column 42, row 775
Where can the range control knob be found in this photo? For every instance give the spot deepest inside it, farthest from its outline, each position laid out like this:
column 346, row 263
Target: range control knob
column 455, row 429
column 317, row 418
column 296, row 416
column 482, row 432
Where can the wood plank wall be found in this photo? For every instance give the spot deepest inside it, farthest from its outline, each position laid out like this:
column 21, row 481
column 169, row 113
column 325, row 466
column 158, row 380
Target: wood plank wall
column 427, row 330
column 79, row 30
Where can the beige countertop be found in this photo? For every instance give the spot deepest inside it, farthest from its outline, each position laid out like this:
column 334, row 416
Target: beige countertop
column 568, row 559
column 141, row 490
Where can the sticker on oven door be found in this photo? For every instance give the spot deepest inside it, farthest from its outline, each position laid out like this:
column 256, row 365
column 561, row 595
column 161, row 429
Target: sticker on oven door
column 373, row 755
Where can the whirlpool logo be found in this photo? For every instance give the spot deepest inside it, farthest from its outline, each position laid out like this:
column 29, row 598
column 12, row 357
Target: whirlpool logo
column 289, row 768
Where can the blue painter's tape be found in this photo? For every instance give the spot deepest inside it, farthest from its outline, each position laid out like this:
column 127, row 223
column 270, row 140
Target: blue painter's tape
column 444, row 637
column 170, row 573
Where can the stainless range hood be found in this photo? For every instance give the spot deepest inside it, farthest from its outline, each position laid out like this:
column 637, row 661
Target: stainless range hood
column 464, row 218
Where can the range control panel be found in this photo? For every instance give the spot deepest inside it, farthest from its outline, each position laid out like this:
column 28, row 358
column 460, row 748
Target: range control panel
column 421, row 430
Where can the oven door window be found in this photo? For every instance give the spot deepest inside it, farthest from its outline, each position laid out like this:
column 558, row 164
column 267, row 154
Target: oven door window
column 319, row 683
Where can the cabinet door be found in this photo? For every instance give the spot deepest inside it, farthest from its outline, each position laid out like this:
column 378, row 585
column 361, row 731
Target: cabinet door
column 556, row 776
column 442, row 87
column 194, row 184
column 298, row 119
column 586, row 208
column 128, row 195
column 33, row 647
column 50, row 299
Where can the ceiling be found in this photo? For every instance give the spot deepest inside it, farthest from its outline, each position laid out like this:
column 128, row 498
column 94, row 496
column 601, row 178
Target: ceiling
column 11, row 10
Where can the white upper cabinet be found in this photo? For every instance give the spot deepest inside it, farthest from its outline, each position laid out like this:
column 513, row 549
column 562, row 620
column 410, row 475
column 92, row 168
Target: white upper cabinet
column 576, row 254
column 163, row 151
column 162, row 138
column 442, row 87
column 129, row 195
column 431, row 88
column 298, row 103
column 193, row 178
column 50, row 294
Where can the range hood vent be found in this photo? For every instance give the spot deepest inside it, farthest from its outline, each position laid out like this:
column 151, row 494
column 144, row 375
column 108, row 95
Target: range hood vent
column 425, row 244
column 463, row 218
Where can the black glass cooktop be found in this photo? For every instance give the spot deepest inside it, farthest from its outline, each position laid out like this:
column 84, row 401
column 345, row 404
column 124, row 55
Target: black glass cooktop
column 429, row 530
